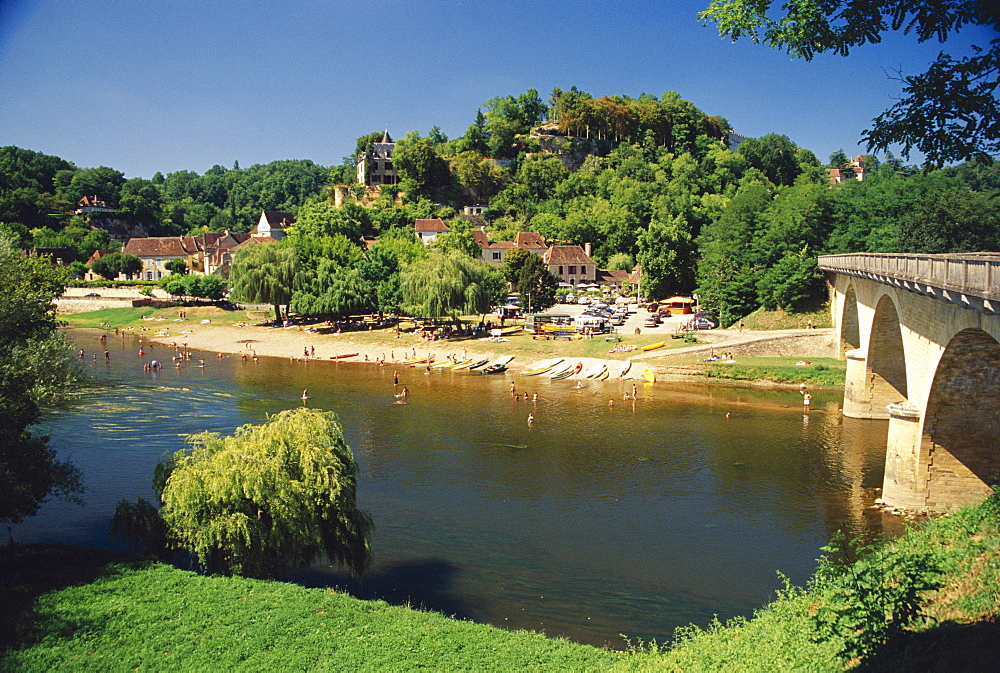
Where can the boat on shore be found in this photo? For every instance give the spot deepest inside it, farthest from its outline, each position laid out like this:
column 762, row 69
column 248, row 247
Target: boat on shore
column 603, row 375
column 498, row 365
column 653, row 347
column 542, row 367
column 472, row 364
column 341, row 357
column 419, row 361
column 595, row 371
column 623, row 370
column 568, row 373
column 648, row 374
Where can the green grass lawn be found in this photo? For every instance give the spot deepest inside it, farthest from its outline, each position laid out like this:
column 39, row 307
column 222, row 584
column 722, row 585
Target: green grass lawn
column 65, row 608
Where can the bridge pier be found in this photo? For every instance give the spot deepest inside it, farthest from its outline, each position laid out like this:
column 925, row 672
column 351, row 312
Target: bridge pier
column 905, row 482
column 858, row 388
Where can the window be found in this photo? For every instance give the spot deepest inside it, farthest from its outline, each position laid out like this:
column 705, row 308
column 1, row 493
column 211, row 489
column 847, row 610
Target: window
column 388, row 165
column 583, row 270
column 149, row 275
column 572, row 270
column 496, row 255
column 159, row 275
column 158, row 261
column 560, row 271
column 374, row 165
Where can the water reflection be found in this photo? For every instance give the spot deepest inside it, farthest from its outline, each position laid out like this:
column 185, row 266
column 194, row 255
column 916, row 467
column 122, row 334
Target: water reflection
column 596, row 521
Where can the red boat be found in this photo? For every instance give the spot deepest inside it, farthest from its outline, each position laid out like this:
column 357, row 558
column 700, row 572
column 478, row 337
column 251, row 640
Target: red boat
column 341, row 357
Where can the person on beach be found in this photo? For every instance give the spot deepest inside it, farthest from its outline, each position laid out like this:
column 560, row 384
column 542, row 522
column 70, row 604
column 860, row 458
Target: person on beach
column 806, row 402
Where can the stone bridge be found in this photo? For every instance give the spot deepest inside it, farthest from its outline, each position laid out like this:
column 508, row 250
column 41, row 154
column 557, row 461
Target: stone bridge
column 920, row 334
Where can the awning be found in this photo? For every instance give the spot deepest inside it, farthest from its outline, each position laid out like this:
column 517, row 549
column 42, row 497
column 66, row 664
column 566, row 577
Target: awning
column 677, row 300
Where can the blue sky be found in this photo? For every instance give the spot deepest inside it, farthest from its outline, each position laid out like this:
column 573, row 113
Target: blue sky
column 146, row 86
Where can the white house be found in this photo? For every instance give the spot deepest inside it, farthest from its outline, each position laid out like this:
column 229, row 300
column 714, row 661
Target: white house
column 429, row 229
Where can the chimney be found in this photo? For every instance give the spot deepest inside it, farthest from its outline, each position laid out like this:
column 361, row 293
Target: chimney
column 586, row 248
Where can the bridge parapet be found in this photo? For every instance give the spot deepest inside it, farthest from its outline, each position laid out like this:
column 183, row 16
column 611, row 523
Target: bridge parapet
column 970, row 279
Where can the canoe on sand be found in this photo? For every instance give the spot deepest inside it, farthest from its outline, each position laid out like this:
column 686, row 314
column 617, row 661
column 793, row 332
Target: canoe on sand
column 623, row 370
column 653, row 347
column 648, row 374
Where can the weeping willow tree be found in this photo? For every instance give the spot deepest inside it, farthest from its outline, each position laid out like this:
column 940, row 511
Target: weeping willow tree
column 264, row 274
column 450, row 284
column 269, row 497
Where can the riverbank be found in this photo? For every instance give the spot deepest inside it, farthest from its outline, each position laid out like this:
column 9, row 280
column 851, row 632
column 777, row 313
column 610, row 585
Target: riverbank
column 927, row 601
column 753, row 355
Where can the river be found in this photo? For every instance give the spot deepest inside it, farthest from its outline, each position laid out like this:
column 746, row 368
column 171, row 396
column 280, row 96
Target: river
column 594, row 523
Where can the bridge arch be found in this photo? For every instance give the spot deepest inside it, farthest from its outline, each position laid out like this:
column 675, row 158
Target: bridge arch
column 850, row 325
column 960, row 442
column 885, row 371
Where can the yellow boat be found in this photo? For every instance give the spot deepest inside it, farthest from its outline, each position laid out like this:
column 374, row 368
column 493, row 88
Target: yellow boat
column 653, row 347
column 648, row 374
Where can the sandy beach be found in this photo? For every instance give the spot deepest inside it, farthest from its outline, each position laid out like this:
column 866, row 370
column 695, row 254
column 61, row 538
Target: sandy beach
column 297, row 342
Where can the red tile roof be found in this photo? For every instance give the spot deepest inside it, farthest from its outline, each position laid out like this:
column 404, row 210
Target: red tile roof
column 435, row 224
column 529, row 239
column 161, row 246
column 567, row 254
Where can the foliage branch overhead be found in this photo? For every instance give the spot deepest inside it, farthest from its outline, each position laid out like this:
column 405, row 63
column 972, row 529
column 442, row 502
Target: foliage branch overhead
column 949, row 113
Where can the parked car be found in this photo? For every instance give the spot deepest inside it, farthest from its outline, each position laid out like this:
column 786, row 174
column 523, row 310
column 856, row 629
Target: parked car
column 583, row 301
column 651, row 321
column 570, row 298
column 618, row 320
column 701, row 323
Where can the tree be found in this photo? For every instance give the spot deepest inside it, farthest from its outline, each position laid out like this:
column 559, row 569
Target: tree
column 416, row 159
column 269, row 497
column 951, row 112
column 264, row 274
column 449, row 284
column 536, row 286
column 34, row 371
column 177, row 265
column 111, row 265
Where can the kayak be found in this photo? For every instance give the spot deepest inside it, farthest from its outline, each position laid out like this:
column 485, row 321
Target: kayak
column 623, row 370
column 566, row 373
column 341, row 357
column 471, row 364
column 598, row 371
column 495, row 369
column 419, row 361
column 653, row 347
column 542, row 367
column 603, row 375
column 648, row 374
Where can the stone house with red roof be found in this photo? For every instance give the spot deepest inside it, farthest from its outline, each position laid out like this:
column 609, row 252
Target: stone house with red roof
column 495, row 252
column 571, row 264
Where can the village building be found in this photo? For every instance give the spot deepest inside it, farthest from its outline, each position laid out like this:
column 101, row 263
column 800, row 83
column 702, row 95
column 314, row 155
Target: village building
column 855, row 171
column 272, row 224
column 495, row 252
column 375, row 168
column 92, row 204
column 429, row 229
column 155, row 251
column 571, row 264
